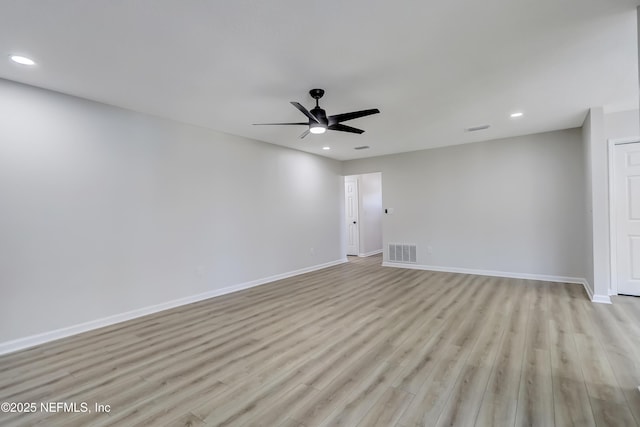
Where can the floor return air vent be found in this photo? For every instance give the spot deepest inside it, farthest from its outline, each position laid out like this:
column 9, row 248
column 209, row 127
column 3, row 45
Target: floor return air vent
column 402, row 253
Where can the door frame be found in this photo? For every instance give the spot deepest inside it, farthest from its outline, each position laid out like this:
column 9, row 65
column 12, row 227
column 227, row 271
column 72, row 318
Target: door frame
column 613, row 226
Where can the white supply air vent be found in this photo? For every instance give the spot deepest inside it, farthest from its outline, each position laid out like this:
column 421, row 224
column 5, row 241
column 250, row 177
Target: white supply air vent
column 477, row 128
column 402, row 253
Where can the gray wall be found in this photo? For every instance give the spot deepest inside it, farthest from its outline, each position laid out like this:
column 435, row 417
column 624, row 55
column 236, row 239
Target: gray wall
column 512, row 205
column 105, row 211
column 622, row 124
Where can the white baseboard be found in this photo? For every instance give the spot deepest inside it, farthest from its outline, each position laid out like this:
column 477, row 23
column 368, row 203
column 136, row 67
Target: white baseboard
column 587, row 289
column 33, row 340
column 492, row 273
column 604, row 299
column 379, row 251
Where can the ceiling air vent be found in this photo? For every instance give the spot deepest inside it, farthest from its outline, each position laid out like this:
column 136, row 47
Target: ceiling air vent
column 477, row 128
column 362, row 147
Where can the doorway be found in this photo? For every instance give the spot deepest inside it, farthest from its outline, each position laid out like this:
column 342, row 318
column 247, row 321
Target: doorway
column 625, row 218
column 363, row 214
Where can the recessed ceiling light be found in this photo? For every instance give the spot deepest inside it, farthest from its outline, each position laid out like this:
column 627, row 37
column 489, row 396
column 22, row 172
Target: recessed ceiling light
column 516, row 115
column 326, row 148
column 22, row 60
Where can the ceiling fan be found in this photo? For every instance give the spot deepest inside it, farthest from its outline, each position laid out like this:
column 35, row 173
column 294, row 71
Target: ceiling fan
column 318, row 120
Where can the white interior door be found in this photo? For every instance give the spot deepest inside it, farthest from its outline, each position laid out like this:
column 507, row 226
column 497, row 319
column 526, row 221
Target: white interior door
column 351, row 208
column 627, row 218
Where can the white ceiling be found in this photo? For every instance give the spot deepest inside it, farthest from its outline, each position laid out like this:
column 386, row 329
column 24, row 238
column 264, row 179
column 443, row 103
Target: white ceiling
column 433, row 68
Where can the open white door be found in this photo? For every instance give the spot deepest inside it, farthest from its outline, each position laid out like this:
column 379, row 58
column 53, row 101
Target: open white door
column 626, row 209
column 351, row 208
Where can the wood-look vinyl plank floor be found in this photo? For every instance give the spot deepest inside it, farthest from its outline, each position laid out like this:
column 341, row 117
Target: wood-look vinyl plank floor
column 356, row 345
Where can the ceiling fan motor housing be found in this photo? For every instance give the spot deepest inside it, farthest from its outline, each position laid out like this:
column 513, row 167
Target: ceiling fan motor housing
column 320, row 115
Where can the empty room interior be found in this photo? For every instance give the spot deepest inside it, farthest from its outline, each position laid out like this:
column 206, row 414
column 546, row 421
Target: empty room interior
column 300, row 214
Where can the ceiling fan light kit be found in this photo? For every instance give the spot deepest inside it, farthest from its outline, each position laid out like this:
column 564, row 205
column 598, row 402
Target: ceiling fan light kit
column 319, row 122
column 317, row 128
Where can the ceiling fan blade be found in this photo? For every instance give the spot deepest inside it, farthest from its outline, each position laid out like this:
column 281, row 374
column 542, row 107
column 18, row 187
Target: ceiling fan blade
column 345, row 128
column 304, row 111
column 281, row 124
column 305, row 133
column 350, row 116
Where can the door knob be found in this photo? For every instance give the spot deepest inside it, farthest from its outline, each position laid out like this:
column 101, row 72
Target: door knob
column 354, row 222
